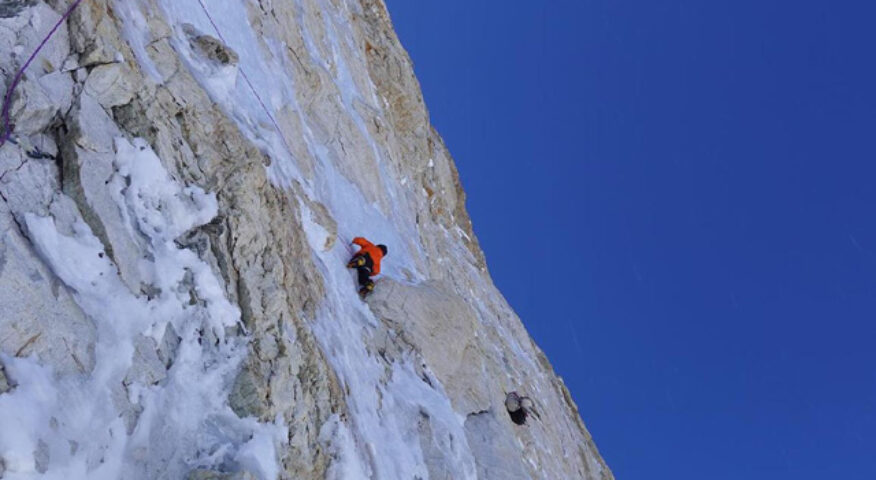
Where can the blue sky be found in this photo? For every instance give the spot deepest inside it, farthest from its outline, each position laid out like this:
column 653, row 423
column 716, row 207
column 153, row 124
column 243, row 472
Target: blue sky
column 678, row 199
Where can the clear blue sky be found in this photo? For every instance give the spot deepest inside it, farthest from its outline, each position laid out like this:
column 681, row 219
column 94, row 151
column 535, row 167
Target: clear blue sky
column 678, row 199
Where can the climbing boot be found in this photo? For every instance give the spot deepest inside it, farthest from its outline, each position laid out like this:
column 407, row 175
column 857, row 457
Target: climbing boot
column 366, row 289
column 356, row 262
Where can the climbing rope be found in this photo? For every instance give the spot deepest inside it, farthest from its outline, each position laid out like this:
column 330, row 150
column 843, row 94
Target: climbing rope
column 7, row 128
column 7, row 101
column 246, row 78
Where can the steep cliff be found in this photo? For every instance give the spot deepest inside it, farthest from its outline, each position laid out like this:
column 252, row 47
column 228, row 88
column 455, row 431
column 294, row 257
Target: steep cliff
column 175, row 221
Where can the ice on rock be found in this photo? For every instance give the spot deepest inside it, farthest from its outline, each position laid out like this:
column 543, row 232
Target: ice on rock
column 216, row 158
column 172, row 402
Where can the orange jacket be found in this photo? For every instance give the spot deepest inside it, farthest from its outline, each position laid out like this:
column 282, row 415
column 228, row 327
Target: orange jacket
column 375, row 253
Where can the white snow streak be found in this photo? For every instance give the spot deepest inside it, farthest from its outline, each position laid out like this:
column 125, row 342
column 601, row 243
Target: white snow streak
column 184, row 421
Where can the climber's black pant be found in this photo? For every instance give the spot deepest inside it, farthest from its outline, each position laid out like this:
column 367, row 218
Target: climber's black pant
column 365, row 270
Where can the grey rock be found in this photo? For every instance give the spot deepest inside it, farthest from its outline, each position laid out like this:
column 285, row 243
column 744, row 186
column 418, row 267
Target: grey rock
column 111, row 84
column 247, row 399
column 128, row 411
column 11, row 8
column 169, row 344
column 28, row 185
column 24, row 31
column 40, row 316
column 32, row 108
column 89, row 154
column 146, row 366
column 4, row 382
column 210, row 47
column 203, row 474
column 443, row 328
column 94, row 36
column 80, row 75
column 92, row 128
column 496, row 455
column 58, row 86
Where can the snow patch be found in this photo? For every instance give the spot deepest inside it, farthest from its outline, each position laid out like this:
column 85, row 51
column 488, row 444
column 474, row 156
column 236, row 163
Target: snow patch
column 120, row 421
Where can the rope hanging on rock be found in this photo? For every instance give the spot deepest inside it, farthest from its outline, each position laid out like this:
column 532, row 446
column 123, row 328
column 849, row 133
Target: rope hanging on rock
column 7, row 99
column 247, row 80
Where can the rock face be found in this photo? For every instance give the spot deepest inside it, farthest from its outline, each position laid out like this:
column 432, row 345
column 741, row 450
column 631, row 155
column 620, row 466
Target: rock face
column 172, row 281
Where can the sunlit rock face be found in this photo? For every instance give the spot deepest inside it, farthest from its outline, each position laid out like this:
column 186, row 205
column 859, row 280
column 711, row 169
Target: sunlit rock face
column 176, row 215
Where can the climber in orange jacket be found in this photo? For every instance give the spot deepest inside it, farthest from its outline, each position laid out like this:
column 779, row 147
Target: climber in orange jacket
column 367, row 263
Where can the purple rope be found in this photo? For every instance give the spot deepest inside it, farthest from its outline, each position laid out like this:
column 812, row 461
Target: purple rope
column 7, row 101
column 246, row 78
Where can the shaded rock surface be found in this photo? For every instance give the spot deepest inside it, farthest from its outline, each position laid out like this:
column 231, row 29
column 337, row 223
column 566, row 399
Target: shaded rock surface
column 278, row 138
column 4, row 382
column 202, row 474
column 11, row 8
